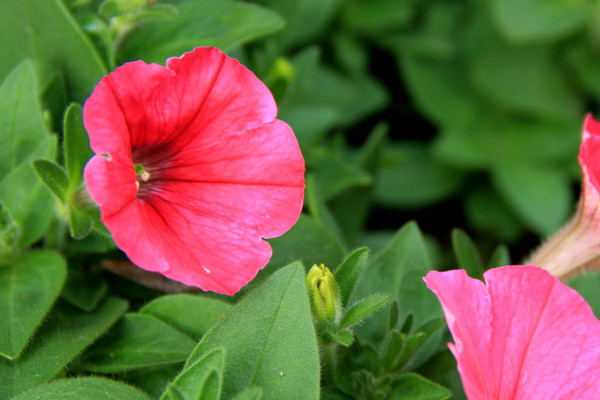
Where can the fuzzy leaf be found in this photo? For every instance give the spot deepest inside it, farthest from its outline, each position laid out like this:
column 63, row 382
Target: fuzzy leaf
column 66, row 332
column 195, row 382
column 191, row 314
column 53, row 177
column 137, row 341
column 76, row 145
column 349, row 272
column 88, row 388
column 29, row 288
column 280, row 352
column 363, row 309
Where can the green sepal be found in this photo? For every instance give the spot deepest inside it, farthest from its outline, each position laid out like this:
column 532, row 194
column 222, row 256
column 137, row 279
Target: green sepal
column 80, row 224
column 350, row 271
column 363, row 309
column 54, row 178
column 343, row 337
column 76, row 146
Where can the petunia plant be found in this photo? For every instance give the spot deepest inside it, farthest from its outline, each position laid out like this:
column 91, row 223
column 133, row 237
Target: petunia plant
column 224, row 200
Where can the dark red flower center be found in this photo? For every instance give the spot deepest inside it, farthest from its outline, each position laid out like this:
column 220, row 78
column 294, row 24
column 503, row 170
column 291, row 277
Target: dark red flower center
column 151, row 163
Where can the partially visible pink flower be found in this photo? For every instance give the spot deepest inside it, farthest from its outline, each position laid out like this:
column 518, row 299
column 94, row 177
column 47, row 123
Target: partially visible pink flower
column 524, row 336
column 192, row 169
column 576, row 246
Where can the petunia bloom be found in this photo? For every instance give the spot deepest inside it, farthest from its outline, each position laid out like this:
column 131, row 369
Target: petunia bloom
column 524, row 336
column 192, row 169
column 576, row 246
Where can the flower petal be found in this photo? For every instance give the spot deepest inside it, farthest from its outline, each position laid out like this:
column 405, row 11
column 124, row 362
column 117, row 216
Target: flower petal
column 211, row 92
column 526, row 336
column 120, row 108
column 110, row 182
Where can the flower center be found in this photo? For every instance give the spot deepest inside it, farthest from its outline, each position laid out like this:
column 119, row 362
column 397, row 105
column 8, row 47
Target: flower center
column 150, row 163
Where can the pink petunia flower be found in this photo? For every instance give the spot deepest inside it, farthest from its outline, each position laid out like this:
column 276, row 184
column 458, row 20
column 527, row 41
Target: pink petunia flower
column 524, row 336
column 576, row 247
column 192, row 169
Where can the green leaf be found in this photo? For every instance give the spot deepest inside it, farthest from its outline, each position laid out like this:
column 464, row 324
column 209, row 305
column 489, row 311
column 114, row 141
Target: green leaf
column 379, row 17
column 399, row 269
column 22, row 126
column 587, row 286
column 466, row 253
column 438, row 88
column 30, row 203
column 154, row 380
column 84, row 288
column 297, row 32
column 345, row 337
column 541, row 195
column 415, row 178
column 252, row 393
column 539, row 20
column 223, row 24
column 88, row 388
column 47, row 34
column 523, row 79
column 29, row 288
column 76, row 145
column 415, row 387
column 53, row 177
column 280, row 352
column 198, row 381
column 499, row 258
column 333, row 176
column 66, row 332
column 308, row 241
column 363, row 309
column 350, row 271
column 80, row 224
column 318, row 209
column 191, row 314
column 137, row 341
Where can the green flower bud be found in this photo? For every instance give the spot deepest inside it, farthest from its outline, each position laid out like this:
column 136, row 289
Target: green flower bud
column 323, row 291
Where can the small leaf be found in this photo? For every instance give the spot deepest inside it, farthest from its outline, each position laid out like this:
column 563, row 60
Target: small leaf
column 80, row 224
column 252, row 393
column 53, row 177
column 499, row 258
column 76, row 145
column 195, row 382
column 344, row 337
column 88, row 388
column 29, row 288
column 349, row 272
column 392, row 350
column 415, row 387
column 466, row 253
column 191, row 314
column 137, row 341
column 363, row 309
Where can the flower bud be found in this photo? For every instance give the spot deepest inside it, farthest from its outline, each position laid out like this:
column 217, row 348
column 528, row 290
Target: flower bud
column 576, row 247
column 323, row 291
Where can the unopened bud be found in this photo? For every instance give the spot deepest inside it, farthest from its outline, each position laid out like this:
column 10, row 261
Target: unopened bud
column 323, row 291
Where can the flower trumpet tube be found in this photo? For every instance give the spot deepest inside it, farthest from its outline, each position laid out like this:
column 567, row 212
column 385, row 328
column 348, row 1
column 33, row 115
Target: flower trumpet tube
column 192, row 169
column 522, row 335
column 576, row 247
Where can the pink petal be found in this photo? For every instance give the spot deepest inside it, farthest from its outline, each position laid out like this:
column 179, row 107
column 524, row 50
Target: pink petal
column 120, row 107
column 527, row 336
column 588, row 154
